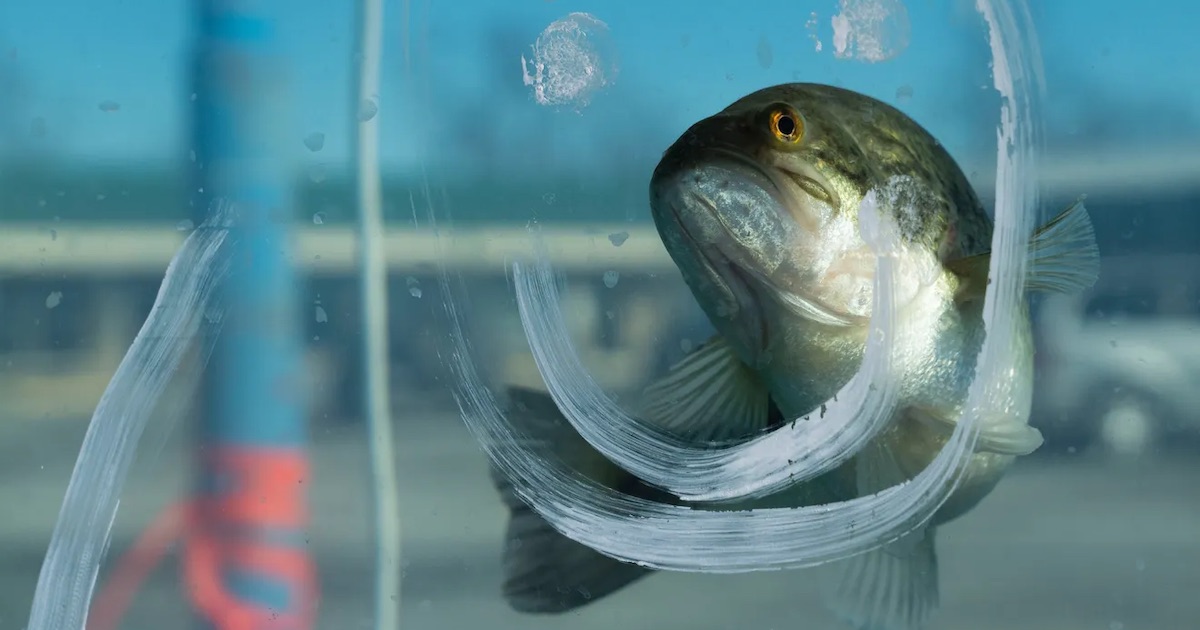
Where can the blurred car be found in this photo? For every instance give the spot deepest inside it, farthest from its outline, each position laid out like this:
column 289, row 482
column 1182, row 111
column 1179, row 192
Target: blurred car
column 1119, row 366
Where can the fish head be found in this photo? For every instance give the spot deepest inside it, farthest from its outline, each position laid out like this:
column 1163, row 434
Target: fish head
column 757, row 205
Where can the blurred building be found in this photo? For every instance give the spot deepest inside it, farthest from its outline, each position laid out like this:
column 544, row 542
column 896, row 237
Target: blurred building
column 82, row 253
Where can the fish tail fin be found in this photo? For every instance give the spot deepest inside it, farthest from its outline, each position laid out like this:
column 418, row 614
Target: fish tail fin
column 894, row 587
column 1063, row 256
column 545, row 571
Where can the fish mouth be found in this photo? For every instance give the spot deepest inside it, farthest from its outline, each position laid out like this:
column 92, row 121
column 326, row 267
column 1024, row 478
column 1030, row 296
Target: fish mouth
column 746, row 281
column 739, row 283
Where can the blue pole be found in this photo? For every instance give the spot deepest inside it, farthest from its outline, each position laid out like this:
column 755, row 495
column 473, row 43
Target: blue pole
column 245, row 561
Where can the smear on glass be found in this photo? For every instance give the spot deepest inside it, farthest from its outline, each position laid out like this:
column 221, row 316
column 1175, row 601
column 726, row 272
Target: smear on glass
column 186, row 302
column 796, row 452
column 669, row 536
column 870, row 30
column 572, row 60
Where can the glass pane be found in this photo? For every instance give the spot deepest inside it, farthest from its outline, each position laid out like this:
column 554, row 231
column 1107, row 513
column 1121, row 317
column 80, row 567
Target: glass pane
column 530, row 132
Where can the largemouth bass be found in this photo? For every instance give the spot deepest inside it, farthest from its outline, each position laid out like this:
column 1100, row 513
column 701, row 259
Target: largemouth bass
column 758, row 206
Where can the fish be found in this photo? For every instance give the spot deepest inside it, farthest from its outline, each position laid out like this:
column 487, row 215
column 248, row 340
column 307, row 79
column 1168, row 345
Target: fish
column 758, row 208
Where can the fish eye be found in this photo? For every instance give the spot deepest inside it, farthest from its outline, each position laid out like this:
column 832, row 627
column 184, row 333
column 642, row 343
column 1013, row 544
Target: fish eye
column 786, row 125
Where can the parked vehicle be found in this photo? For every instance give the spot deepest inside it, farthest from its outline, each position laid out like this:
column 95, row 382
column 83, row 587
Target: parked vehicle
column 1119, row 365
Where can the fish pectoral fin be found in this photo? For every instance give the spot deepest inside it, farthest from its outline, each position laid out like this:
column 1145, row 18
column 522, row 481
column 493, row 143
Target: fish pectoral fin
column 894, row 587
column 1063, row 258
column 1063, row 255
column 709, row 395
column 545, row 571
column 1002, row 438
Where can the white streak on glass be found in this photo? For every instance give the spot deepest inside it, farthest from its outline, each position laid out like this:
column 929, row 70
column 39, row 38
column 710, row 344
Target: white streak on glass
column 796, row 452
column 81, row 534
column 681, row 538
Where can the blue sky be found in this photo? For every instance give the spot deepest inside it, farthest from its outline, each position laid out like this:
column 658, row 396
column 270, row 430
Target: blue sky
column 677, row 62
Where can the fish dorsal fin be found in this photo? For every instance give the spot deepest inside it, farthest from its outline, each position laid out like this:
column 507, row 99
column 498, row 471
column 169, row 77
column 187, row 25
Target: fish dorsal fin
column 1063, row 258
column 709, row 395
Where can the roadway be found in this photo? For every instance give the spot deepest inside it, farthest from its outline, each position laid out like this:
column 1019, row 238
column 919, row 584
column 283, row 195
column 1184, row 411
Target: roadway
column 1064, row 543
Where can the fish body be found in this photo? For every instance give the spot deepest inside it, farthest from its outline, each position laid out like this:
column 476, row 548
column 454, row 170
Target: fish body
column 758, row 206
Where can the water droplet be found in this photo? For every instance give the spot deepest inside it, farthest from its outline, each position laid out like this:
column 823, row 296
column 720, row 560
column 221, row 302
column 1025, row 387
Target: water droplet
column 109, row 106
column 611, row 278
column 765, row 56
column 618, row 239
column 321, row 315
column 317, row 173
column 54, row 299
column 685, row 344
column 319, row 218
column 315, row 141
column 572, row 60
column 192, row 155
column 367, row 109
column 904, row 93
column 185, row 225
column 811, row 26
column 414, row 287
